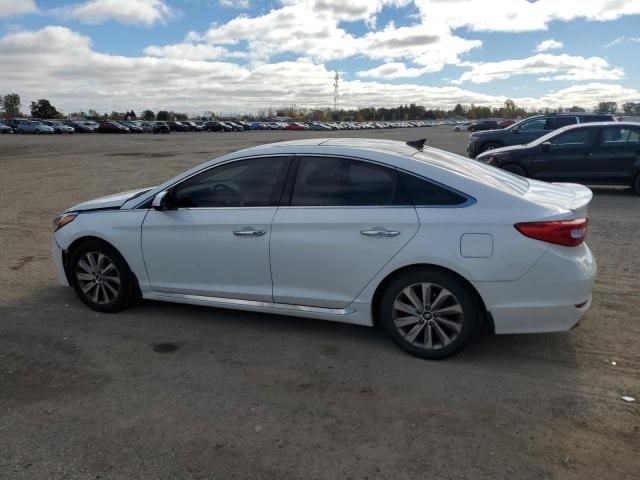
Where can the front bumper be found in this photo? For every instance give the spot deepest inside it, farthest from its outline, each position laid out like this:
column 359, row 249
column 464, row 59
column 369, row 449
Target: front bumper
column 58, row 260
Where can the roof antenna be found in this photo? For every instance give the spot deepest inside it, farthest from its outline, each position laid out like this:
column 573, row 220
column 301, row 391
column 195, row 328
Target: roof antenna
column 417, row 144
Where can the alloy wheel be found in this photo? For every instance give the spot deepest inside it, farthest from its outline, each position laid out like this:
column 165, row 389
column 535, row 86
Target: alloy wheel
column 98, row 278
column 428, row 316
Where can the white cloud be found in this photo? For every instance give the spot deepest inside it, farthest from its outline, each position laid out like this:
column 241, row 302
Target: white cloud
column 61, row 65
column 550, row 44
column 10, row 8
column 130, row 12
column 520, row 15
column 621, row 40
column 234, row 3
column 392, row 70
column 563, row 67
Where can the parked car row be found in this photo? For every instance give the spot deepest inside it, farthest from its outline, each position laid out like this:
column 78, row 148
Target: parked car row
column 528, row 130
column 17, row 125
column 592, row 153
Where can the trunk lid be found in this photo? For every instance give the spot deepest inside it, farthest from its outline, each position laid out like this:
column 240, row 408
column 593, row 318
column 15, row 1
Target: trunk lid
column 561, row 197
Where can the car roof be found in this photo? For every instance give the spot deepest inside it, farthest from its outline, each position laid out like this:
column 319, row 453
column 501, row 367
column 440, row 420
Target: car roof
column 393, row 146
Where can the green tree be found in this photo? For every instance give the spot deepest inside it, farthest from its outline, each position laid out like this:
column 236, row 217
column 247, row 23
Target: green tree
column 607, row 107
column 43, row 109
column 148, row 116
column 163, row 116
column 11, row 105
column 630, row 108
column 576, row 109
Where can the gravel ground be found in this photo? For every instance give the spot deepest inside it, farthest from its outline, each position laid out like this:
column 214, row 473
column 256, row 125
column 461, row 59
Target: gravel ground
column 248, row 396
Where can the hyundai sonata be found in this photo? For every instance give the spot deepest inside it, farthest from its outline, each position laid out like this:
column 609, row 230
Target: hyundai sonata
column 426, row 243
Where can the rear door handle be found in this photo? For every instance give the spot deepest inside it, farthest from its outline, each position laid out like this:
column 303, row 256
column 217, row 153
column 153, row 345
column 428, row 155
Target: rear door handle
column 587, row 154
column 249, row 233
column 380, row 232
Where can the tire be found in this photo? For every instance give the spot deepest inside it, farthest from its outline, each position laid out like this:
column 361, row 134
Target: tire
column 513, row 168
column 636, row 184
column 429, row 333
column 489, row 146
column 93, row 260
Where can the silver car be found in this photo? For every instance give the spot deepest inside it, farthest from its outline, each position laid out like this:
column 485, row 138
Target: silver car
column 59, row 127
column 32, row 126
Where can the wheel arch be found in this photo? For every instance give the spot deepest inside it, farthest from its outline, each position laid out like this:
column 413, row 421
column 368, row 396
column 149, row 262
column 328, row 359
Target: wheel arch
column 68, row 252
column 486, row 318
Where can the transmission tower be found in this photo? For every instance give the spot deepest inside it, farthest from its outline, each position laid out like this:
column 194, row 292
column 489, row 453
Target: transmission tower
column 336, row 91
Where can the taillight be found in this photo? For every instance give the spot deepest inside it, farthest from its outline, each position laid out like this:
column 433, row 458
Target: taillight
column 569, row 233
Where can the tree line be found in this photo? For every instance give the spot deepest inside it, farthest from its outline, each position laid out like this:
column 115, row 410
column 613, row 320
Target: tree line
column 10, row 106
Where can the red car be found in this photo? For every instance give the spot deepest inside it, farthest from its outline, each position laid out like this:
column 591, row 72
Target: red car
column 295, row 126
column 112, row 127
column 506, row 123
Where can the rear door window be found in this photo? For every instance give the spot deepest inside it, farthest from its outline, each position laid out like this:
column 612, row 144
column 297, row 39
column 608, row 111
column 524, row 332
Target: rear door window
column 558, row 122
column 533, row 125
column 426, row 193
column 620, row 136
column 575, row 138
column 333, row 181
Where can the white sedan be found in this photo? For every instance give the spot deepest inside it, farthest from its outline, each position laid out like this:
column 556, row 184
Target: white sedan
column 428, row 244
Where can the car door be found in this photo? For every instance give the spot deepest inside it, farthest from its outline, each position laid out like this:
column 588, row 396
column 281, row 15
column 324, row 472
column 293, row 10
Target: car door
column 617, row 155
column 566, row 157
column 213, row 240
column 341, row 221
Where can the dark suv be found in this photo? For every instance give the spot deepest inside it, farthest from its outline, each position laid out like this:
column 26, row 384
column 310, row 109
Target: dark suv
column 528, row 130
column 487, row 124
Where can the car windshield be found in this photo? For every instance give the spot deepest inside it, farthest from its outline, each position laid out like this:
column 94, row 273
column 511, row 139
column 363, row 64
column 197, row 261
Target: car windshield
column 475, row 170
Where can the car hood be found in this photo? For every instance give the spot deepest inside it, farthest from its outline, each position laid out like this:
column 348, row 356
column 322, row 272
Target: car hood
column 497, row 151
column 481, row 133
column 109, row 202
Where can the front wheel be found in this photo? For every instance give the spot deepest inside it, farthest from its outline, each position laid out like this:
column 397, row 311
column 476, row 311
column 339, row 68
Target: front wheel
column 101, row 277
column 429, row 313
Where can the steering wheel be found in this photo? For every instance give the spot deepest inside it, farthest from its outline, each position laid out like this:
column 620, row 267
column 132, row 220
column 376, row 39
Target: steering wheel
column 224, row 194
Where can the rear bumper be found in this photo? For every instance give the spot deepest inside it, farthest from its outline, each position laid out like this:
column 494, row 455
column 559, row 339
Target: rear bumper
column 551, row 297
column 58, row 260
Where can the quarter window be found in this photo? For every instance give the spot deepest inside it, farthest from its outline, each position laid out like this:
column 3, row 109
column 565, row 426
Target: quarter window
column 424, row 192
column 328, row 181
column 245, row 183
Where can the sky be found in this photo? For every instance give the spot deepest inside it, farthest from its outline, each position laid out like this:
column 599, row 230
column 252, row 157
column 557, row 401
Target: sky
column 239, row 56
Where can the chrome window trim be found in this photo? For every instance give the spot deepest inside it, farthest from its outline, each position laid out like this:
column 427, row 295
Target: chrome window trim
column 470, row 200
column 206, row 169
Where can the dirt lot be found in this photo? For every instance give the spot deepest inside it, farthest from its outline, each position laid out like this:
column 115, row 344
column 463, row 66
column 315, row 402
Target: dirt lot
column 248, row 396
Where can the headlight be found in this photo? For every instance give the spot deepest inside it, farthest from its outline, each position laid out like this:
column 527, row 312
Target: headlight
column 62, row 220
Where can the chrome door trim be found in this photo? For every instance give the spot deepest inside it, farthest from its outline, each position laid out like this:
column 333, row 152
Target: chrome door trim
column 252, row 303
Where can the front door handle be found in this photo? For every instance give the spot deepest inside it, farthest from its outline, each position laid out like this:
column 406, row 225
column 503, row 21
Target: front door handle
column 587, row 154
column 380, row 232
column 249, row 233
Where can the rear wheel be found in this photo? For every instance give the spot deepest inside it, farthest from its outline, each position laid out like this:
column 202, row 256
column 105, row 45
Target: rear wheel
column 513, row 168
column 101, row 277
column 429, row 313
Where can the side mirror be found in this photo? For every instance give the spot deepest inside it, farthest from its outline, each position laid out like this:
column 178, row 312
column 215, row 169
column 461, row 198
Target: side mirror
column 546, row 146
column 161, row 201
column 515, row 130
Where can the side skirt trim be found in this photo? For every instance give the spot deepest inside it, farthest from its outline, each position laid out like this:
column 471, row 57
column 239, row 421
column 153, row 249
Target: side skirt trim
column 255, row 304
